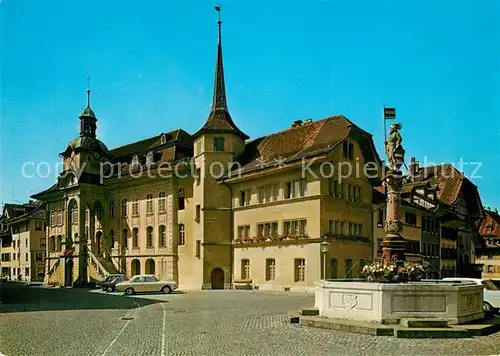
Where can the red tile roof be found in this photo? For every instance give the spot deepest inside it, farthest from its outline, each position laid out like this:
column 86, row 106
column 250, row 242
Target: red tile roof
column 490, row 225
column 452, row 185
column 302, row 141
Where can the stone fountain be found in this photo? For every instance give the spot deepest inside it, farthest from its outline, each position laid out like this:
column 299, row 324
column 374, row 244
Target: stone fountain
column 389, row 303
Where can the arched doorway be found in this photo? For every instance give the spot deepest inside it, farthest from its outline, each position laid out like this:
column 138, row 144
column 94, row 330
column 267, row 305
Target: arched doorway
column 217, row 278
column 150, row 266
column 135, row 267
column 99, row 243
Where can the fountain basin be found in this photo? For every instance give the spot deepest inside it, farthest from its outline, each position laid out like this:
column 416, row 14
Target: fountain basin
column 388, row 303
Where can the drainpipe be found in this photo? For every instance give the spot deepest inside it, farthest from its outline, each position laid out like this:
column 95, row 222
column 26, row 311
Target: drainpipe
column 231, row 222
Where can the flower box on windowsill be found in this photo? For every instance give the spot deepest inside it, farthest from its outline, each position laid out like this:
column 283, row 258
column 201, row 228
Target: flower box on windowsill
column 272, row 238
column 348, row 237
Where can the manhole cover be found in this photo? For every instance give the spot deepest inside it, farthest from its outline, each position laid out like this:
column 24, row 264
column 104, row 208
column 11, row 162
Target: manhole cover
column 127, row 318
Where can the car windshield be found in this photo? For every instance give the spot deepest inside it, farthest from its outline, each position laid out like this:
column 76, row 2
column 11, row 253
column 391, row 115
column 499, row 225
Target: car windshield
column 488, row 284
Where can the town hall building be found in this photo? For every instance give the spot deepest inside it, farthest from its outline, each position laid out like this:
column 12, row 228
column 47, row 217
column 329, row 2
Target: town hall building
column 213, row 209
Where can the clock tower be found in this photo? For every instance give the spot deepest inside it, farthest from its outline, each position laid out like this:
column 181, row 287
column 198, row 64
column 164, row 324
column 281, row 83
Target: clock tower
column 85, row 154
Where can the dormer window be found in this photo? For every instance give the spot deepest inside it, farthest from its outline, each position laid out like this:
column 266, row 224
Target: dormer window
column 135, row 161
column 219, row 144
column 149, row 159
column 163, row 139
column 489, row 229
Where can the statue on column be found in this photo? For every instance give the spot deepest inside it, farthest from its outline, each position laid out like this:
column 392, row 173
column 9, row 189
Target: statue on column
column 394, row 245
column 393, row 149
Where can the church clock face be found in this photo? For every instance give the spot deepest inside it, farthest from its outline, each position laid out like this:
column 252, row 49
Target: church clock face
column 95, row 155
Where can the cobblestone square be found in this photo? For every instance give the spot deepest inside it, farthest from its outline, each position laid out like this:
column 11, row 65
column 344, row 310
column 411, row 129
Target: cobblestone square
column 82, row 322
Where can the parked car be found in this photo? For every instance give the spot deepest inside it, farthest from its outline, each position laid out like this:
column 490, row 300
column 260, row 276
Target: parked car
column 111, row 285
column 109, row 278
column 491, row 293
column 146, row 283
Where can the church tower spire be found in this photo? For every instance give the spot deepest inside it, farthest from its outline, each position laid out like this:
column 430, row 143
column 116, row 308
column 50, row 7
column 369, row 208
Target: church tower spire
column 219, row 119
column 219, row 96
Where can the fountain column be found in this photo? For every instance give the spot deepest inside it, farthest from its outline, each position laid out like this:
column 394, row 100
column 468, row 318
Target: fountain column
column 394, row 245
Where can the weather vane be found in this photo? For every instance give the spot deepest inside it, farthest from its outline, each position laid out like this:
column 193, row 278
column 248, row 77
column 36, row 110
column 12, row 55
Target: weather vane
column 88, row 91
column 218, row 9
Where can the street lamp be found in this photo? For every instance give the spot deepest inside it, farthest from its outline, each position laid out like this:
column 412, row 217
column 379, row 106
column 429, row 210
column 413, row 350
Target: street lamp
column 324, row 247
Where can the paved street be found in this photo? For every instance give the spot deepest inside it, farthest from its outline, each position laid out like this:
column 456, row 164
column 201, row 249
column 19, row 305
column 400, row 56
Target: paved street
column 80, row 322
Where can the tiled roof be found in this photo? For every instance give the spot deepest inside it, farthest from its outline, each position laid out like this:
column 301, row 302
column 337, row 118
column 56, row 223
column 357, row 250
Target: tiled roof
column 220, row 120
column 14, row 212
column 490, row 225
column 307, row 140
column 38, row 213
column 178, row 136
column 451, row 185
column 448, row 179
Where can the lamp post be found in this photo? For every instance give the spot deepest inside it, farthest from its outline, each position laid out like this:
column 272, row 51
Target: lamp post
column 324, row 247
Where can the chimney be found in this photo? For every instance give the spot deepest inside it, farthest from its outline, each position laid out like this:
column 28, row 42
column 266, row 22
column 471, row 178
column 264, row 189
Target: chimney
column 297, row 123
column 413, row 169
column 308, row 121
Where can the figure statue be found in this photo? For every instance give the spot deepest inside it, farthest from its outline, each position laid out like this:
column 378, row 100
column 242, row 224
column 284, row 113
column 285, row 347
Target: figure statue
column 393, row 149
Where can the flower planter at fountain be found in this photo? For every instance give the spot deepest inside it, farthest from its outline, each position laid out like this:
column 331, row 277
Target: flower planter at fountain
column 387, row 303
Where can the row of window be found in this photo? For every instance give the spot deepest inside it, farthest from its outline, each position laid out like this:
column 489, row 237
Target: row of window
column 300, row 269
column 339, row 190
column 17, row 271
column 338, row 227
column 162, row 237
column 430, row 249
column 16, row 229
column 290, row 227
column 17, row 243
column 430, row 226
column 269, row 193
column 56, row 216
column 298, row 188
column 14, row 255
column 150, row 206
column 39, row 256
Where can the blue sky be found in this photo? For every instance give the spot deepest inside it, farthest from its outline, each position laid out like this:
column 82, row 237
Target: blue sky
column 151, row 64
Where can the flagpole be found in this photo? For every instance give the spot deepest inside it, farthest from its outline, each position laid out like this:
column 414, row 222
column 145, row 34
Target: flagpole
column 385, row 127
column 385, row 144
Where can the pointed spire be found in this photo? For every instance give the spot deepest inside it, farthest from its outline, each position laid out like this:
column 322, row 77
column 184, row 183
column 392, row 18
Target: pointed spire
column 219, row 99
column 219, row 119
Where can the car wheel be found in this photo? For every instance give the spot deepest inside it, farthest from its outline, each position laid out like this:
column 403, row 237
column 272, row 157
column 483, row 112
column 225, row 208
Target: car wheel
column 487, row 306
column 166, row 290
column 109, row 289
column 129, row 291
